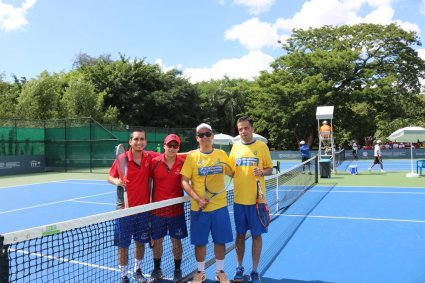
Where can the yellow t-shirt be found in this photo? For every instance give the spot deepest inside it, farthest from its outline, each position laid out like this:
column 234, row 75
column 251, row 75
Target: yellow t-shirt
column 242, row 157
column 199, row 166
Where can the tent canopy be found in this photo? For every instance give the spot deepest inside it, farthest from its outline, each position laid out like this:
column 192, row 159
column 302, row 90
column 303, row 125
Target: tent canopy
column 222, row 139
column 408, row 134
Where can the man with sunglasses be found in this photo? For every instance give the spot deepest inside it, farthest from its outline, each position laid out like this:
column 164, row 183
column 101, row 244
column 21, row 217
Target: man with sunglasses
column 166, row 184
column 214, row 218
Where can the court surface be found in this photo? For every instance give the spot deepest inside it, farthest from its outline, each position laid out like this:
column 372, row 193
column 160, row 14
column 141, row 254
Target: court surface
column 349, row 228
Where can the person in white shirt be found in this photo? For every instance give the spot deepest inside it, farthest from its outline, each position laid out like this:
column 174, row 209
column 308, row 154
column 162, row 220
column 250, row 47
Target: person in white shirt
column 377, row 156
column 355, row 149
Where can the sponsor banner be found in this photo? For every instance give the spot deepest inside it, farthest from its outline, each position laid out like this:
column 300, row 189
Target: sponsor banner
column 10, row 165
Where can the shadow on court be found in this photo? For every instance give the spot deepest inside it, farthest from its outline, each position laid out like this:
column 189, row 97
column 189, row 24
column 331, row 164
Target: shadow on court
column 283, row 236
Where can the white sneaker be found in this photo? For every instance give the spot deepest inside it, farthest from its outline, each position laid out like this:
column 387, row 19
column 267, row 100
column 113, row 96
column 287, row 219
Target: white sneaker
column 382, row 171
column 369, row 169
column 199, row 277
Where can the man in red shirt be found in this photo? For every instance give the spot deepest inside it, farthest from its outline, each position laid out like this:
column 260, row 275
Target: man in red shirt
column 137, row 187
column 165, row 173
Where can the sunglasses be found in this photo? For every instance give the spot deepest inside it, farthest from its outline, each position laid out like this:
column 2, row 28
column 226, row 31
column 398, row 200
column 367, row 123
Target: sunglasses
column 172, row 145
column 206, row 134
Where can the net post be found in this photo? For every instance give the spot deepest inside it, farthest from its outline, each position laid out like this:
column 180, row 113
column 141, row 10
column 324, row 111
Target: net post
column 4, row 262
column 90, row 144
column 65, row 145
column 277, row 195
column 316, row 171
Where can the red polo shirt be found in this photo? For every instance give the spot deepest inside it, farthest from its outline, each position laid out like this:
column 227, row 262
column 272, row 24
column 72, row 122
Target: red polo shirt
column 167, row 183
column 137, row 178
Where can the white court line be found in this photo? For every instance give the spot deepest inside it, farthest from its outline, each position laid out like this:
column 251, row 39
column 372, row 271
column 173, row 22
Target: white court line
column 382, row 187
column 371, row 192
column 93, row 202
column 65, row 260
column 351, row 218
column 364, row 192
column 104, row 183
column 30, row 184
column 67, row 181
column 56, row 202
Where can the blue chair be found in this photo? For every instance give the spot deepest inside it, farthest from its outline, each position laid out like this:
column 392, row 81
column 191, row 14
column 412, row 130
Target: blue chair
column 420, row 164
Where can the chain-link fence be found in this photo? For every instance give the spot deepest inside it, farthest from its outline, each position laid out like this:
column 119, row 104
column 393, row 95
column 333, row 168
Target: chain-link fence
column 80, row 144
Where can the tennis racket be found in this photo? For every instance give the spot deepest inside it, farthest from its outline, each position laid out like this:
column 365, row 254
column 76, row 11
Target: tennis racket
column 261, row 204
column 121, row 163
column 211, row 172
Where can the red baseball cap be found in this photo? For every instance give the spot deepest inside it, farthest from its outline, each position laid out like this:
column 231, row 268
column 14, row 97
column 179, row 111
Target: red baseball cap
column 170, row 138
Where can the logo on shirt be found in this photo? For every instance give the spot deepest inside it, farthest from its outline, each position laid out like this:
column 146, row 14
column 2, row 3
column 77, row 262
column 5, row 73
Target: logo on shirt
column 210, row 170
column 246, row 161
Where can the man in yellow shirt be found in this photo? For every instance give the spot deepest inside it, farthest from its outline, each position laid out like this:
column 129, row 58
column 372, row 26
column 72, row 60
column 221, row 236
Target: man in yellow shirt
column 244, row 157
column 214, row 217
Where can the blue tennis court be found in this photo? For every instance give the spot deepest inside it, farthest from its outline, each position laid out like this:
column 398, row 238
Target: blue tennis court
column 333, row 233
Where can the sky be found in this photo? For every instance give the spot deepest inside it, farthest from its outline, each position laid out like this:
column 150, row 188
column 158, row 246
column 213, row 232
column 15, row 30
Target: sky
column 205, row 39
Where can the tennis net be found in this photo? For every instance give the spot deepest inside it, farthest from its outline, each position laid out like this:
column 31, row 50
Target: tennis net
column 84, row 249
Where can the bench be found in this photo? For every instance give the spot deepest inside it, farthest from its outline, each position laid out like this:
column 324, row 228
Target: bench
column 420, row 164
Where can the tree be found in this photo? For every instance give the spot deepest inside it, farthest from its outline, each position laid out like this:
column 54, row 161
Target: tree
column 222, row 101
column 368, row 72
column 40, row 98
column 143, row 94
column 8, row 98
column 80, row 99
column 176, row 103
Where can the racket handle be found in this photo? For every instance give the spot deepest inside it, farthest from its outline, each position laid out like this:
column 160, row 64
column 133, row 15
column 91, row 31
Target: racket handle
column 125, row 198
column 254, row 164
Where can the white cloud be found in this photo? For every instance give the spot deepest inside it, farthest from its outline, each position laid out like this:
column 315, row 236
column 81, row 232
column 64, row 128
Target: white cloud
column 247, row 67
column 256, row 7
column 421, row 53
column 408, row 26
column 316, row 13
column 12, row 18
column 253, row 34
column 164, row 68
column 381, row 15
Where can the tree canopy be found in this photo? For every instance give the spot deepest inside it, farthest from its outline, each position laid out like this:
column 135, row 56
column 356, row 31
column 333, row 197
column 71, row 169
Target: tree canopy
column 370, row 73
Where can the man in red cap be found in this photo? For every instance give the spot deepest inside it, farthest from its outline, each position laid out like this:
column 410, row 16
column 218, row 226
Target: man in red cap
column 165, row 173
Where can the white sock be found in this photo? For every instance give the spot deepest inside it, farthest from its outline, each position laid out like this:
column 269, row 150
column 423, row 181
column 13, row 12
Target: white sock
column 201, row 266
column 123, row 270
column 137, row 264
column 219, row 265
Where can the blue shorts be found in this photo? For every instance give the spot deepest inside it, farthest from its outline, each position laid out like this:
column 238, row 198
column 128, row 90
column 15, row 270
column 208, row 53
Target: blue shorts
column 175, row 225
column 217, row 222
column 133, row 226
column 246, row 218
